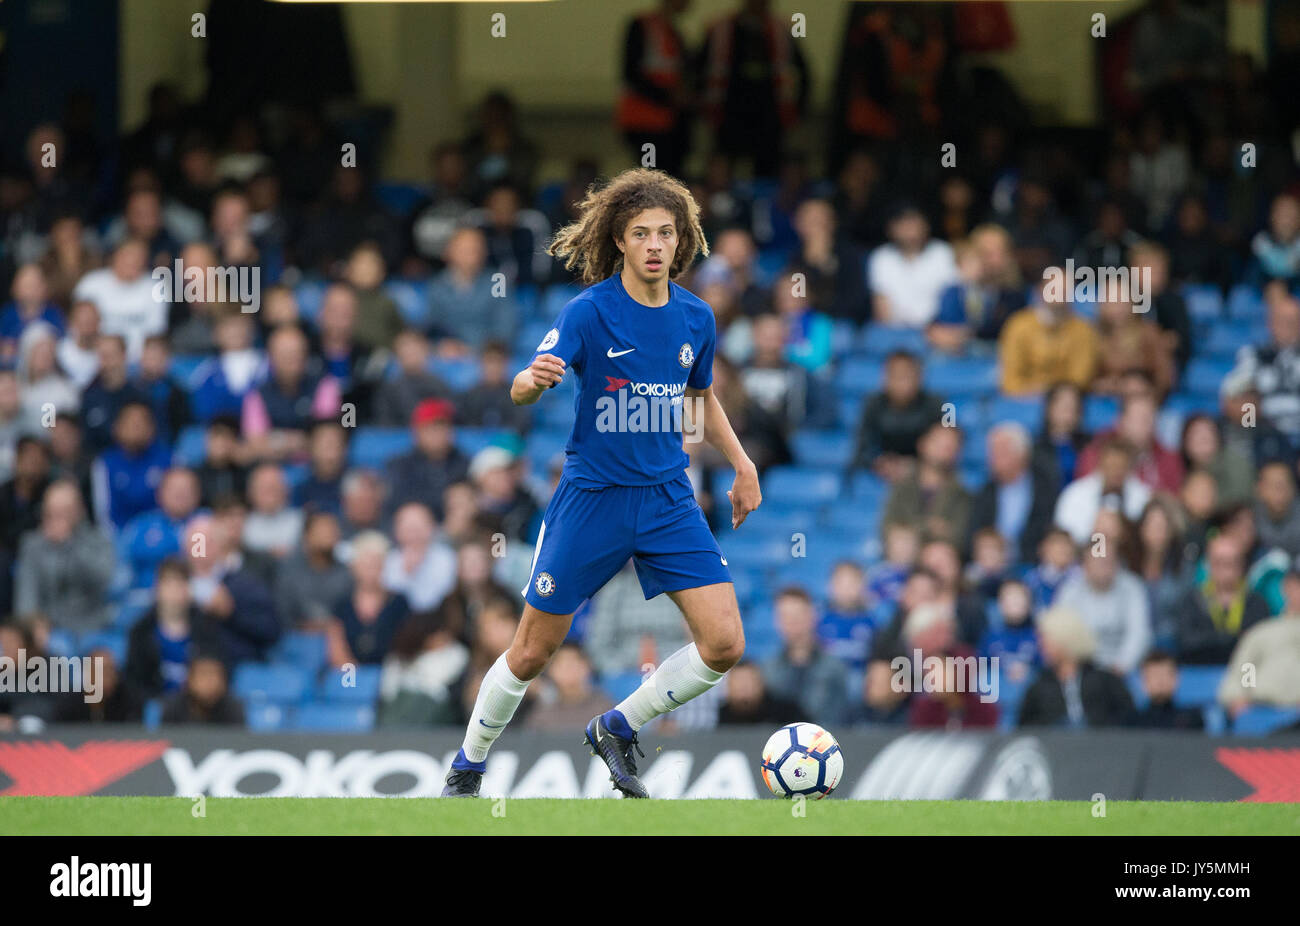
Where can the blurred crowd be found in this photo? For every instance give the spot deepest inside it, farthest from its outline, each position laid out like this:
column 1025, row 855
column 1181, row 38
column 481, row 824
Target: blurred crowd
column 319, row 513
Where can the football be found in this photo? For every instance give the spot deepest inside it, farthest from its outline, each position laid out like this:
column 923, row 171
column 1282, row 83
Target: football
column 802, row 758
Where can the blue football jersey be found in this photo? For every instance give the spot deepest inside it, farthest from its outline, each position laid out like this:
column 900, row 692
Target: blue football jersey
column 632, row 364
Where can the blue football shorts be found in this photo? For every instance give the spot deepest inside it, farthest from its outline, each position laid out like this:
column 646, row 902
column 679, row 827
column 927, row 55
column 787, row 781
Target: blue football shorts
column 588, row 534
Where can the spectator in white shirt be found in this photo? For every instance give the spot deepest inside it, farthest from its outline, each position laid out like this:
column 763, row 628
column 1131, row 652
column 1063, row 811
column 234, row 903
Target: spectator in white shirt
column 420, row 567
column 1111, row 485
column 77, row 353
column 909, row 273
column 273, row 526
column 123, row 293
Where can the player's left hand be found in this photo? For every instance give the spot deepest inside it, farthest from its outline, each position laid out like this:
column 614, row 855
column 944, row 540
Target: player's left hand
column 744, row 494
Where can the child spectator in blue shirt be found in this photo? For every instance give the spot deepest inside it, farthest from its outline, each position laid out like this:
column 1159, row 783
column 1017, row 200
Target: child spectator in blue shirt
column 1011, row 637
column 846, row 626
column 1057, row 557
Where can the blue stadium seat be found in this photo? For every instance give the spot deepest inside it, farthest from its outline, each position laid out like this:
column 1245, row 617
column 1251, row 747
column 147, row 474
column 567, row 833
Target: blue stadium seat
column 848, row 413
column 61, row 643
column 112, row 640
column 279, row 682
column 1245, row 302
column 374, row 447
column 1024, row 411
column 620, row 685
column 307, row 651
column 1186, row 404
column 266, row 717
column 530, row 301
column 1197, row 685
column 360, row 686
column 529, row 335
column 879, row 340
column 556, row 297
column 130, row 613
column 152, row 718
column 1216, row 720
column 844, row 335
column 973, row 474
column 754, row 551
column 472, row 440
column 1225, row 338
column 777, row 518
column 802, row 484
column 1204, row 302
column 335, row 718
column 867, row 489
column 183, row 367
column 1099, row 412
column 460, row 374
column 769, row 265
column 961, row 376
column 1204, row 375
column 859, row 517
column 544, row 446
column 190, row 446
column 1263, row 719
column 399, row 198
column 412, row 298
column 310, row 294
column 859, row 375
column 822, row 448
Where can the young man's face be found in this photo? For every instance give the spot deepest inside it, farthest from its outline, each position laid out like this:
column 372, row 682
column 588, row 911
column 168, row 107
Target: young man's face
column 649, row 243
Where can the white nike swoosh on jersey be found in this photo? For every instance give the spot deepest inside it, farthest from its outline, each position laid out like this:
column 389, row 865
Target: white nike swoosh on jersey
column 611, row 353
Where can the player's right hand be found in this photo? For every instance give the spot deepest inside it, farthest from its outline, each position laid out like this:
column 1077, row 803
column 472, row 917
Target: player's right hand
column 546, row 371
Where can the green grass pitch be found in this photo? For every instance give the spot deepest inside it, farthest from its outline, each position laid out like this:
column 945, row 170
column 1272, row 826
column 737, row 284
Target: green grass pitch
column 152, row 816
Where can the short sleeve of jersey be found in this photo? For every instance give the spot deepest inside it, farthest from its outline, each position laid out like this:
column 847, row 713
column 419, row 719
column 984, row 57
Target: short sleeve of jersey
column 702, row 370
column 567, row 339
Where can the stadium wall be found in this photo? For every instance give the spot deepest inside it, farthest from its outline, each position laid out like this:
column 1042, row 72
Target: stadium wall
column 879, row 765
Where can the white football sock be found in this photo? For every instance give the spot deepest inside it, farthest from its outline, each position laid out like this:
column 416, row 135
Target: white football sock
column 497, row 699
column 680, row 677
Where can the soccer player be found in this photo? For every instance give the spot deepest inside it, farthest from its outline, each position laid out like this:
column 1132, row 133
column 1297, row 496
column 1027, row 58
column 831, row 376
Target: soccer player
column 641, row 349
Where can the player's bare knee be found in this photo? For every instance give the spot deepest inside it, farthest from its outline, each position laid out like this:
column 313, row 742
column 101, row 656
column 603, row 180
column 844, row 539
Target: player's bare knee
column 723, row 653
column 527, row 661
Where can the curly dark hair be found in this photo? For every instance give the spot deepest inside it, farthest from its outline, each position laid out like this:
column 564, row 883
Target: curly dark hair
column 589, row 244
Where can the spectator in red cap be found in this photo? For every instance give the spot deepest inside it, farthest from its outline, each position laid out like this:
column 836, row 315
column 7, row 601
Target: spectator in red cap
column 434, row 463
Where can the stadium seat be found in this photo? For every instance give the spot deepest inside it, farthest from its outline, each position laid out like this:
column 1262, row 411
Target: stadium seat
column 183, row 367
column 1204, row 375
column 472, row 440
column 619, row 686
column 266, row 717
column 112, row 640
column 1099, row 412
column 61, row 643
column 1010, row 695
column 544, row 447
column 879, row 340
column 412, row 298
column 278, row 682
column 335, row 718
column 530, row 302
column 859, row 375
column 868, row 489
column 844, row 336
column 556, row 297
column 1225, row 338
column 822, row 448
column 528, row 337
column 359, row 686
column 307, row 651
column 374, row 447
column 1197, row 685
column 190, row 446
column 310, row 294
column 129, row 613
column 460, row 374
column 400, row 198
column 1186, row 404
column 1245, row 302
column 1263, row 719
column 961, row 376
column 152, row 718
column 1204, row 302
column 802, row 484
column 1023, row 411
